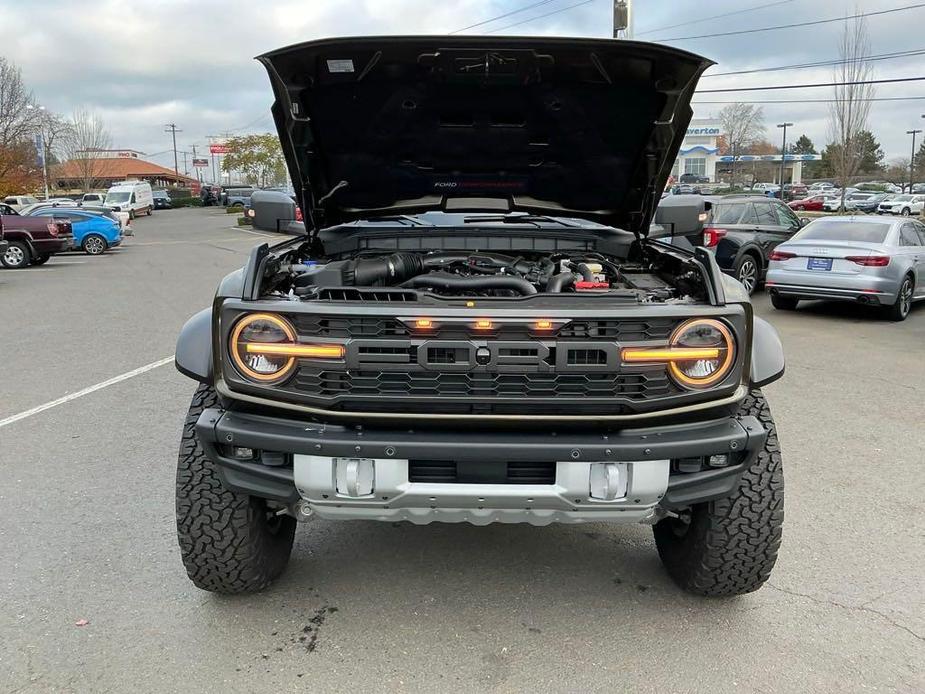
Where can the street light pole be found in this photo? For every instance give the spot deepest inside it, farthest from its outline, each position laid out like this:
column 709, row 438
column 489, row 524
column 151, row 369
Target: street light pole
column 912, row 158
column 42, row 117
column 783, row 152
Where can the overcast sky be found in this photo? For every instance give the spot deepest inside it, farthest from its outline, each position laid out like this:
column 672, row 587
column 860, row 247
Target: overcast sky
column 144, row 64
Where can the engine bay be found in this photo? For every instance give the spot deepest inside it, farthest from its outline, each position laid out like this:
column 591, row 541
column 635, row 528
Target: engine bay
column 655, row 276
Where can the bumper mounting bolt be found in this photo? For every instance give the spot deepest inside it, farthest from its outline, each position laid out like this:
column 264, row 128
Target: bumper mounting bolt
column 734, row 445
column 229, row 438
column 576, row 453
column 390, row 451
column 647, row 451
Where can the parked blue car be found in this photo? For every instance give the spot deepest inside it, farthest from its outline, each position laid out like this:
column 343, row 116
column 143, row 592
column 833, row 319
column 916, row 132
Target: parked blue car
column 93, row 232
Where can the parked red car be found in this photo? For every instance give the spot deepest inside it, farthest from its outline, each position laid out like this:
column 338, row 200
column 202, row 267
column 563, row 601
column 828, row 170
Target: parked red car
column 33, row 240
column 813, row 203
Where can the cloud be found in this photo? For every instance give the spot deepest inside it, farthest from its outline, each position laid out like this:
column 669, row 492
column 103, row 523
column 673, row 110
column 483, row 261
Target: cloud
column 142, row 65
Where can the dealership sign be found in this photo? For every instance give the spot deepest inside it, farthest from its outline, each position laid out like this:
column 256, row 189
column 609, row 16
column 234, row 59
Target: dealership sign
column 711, row 130
column 201, row 163
column 772, row 157
column 218, row 149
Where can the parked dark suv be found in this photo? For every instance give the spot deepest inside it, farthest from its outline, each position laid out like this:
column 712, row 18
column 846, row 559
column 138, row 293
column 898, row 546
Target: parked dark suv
column 479, row 325
column 743, row 230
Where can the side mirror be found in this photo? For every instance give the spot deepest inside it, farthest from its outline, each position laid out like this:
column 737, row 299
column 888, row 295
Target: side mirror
column 680, row 216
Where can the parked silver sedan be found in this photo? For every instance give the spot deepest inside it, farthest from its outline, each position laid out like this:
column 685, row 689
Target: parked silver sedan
column 874, row 259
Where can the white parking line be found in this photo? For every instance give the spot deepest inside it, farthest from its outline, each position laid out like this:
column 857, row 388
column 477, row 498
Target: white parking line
column 86, row 391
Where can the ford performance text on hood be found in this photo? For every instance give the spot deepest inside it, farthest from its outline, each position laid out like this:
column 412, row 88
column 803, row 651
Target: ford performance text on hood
column 481, row 325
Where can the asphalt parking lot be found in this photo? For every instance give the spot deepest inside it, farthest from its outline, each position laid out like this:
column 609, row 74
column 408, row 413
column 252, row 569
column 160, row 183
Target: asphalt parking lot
column 87, row 527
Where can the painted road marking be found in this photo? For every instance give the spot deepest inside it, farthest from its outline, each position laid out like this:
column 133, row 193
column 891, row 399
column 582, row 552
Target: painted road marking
column 86, row 391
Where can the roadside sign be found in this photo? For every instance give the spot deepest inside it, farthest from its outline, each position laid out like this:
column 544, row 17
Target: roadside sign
column 201, row 163
column 218, row 149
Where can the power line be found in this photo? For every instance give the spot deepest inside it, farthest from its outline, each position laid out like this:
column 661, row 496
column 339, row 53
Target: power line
column 794, row 26
column 821, row 63
column 502, row 16
column 540, row 16
column 810, row 86
column 810, row 101
column 716, row 16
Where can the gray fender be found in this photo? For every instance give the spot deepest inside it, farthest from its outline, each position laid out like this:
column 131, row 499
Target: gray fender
column 767, row 354
column 193, row 357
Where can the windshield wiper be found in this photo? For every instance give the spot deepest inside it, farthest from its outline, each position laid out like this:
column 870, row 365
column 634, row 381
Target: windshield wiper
column 533, row 219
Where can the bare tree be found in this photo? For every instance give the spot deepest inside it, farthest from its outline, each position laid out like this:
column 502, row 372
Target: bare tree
column 19, row 119
column 86, row 136
column 743, row 125
column 851, row 105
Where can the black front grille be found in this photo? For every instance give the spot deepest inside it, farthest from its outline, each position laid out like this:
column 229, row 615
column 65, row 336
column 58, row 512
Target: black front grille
column 331, row 383
column 481, row 472
column 347, row 327
column 620, row 330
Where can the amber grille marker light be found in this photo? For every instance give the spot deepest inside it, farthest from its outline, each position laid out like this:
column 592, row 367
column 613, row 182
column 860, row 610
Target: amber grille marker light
column 483, row 324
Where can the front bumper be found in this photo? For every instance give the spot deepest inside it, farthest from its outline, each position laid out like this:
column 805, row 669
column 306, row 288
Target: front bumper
column 296, row 460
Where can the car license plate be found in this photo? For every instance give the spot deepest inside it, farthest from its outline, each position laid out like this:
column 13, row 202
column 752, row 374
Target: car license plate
column 819, row 264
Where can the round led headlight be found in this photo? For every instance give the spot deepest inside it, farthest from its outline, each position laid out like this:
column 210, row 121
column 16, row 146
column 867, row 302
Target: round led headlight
column 252, row 345
column 702, row 353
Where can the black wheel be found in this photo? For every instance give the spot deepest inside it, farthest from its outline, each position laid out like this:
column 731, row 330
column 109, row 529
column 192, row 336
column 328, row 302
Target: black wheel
column 783, row 303
column 728, row 547
column 229, row 542
column 16, row 256
column 40, row 259
column 906, row 212
column 801, row 207
column 899, row 311
column 747, row 271
column 94, row 244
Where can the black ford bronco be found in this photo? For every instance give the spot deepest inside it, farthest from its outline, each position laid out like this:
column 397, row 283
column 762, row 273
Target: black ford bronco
column 481, row 324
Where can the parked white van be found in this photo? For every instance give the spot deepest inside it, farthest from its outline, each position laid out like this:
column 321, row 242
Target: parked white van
column 133, row 197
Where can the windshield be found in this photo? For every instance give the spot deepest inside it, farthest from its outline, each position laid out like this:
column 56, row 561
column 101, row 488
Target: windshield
column 865, row 232
column 901, row 198
column 117, row 197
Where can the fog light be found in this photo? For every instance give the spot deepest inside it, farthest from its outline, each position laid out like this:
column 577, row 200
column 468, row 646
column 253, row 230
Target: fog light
column 719, row 460
column 242, row 453
column 608, row 481
column 354, row 476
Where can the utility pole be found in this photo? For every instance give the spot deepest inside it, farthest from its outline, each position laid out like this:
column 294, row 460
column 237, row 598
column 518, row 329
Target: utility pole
column 912, row 159
column 783, row 153
column 623, row 19
column 185, row 165
column 211, row 139
column 173, row 130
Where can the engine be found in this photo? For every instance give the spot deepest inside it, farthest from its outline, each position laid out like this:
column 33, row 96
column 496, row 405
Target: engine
column 484, row 274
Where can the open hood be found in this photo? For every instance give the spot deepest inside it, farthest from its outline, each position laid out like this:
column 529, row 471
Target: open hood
column 380, row 126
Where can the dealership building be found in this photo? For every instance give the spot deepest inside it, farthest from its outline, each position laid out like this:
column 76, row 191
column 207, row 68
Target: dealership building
column 699, row 152
column 700, row 155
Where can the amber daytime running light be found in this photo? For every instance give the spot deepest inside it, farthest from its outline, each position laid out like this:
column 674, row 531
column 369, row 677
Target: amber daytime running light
column 264, row 347
column 700, row 353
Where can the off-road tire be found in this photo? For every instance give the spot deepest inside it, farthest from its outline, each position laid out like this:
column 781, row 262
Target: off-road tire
column 784, row 303
column 40, row 259
column 229, row 542
column 730, row 545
